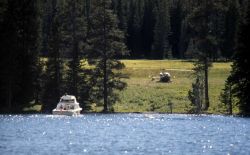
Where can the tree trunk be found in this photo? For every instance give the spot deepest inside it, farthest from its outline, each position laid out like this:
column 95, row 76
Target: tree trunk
column 36, row 96
column 75, row 53
column 206, row 85
column 9, row 99
column 105, row 92
column 105, row 89
column 230, row 107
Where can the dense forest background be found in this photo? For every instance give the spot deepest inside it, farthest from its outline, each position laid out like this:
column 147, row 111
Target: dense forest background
column 43, row 42
column 161, row 29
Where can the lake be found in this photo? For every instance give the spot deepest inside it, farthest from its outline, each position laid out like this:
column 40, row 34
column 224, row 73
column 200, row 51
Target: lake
column 108, row 134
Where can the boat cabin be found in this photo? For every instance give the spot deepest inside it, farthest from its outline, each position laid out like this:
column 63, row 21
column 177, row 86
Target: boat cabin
column 68, row 102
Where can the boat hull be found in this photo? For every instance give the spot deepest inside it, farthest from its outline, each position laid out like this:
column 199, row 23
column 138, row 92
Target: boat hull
column 67, row 112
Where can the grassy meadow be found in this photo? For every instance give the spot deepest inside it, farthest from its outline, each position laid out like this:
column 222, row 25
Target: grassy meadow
column 146, row 95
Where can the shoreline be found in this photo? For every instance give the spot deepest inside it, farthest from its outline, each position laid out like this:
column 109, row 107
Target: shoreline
column 118, row 113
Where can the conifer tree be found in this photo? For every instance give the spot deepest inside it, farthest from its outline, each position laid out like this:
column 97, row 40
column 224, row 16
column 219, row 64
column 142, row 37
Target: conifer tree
column 226, row 97
column 106, row 43
column 134, row 28
column 53, row 78
column 230, row 29
column 239, row 77
column 121, row 8
column 161, row 47
column 19, row 33
column 176, row 17
column 196, row 95
column 148, row 28
column 74, row 34
column 202, row 27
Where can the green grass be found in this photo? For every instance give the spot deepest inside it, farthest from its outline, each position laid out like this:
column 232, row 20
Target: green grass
column 143, row 94
column 33, row 108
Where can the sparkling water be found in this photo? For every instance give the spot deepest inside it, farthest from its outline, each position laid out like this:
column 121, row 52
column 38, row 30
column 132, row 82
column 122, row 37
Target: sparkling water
column 108, row 134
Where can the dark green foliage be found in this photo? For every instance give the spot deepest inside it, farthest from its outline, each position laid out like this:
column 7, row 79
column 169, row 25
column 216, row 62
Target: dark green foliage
column 74, row 37
column 135, row 21
column 226, row 97
column 19, row 49
column 161, row 47
column 196, row 95
column 230, row 29
column 240, row 73
column 45, row 44
column 105, row 45
column 148, row 28
column 3, row 8
column 121, row 8
column 176, row 17
column 142, row 25
column 53, row 86
column 204, row 36
column 202, row 27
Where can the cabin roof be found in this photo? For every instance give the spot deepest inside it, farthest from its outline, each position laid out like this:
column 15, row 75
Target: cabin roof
column 68, row 97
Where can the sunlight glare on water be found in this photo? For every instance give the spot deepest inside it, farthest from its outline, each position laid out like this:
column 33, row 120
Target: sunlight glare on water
column 124, row 134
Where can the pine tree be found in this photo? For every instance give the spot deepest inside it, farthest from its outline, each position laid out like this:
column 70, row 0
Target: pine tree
column 106, row 43
column 122, row 11
column 9, row 67
column 226, row 97
column 134, row 40
column 3, row 8
column 176, row 17
column 53, row 78
column 161, row 47
column 148, row 28
column 74, row 34
column 19, row 29
column 230, row 29
column 206, row 43
column 196, row 95
column 186, row 42
column 239, row 77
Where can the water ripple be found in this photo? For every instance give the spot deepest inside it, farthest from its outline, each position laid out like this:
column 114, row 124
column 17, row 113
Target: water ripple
column 124, row 134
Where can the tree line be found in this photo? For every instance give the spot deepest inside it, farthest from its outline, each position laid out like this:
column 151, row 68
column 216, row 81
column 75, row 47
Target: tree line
column 50, row 47
column 204, row 34
column 53, row 47
column 161, row 29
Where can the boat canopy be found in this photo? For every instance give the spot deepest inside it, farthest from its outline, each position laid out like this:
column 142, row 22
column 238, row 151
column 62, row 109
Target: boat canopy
column 68, row 98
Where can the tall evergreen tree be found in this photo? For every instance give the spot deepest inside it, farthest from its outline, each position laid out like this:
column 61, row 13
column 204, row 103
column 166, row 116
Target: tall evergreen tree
column 161, row 48
column 239, row 77
column 230, row 29
column 8, row 64
column 74, row 34
column 148, row 28
column 19, row 29
column 196, row 95
column 226, row 97
column 202, row 26
column 176, row 17
column 121, row 8
column 3, row 8
column 134, row 40
column 54, row 66
column 106, row 42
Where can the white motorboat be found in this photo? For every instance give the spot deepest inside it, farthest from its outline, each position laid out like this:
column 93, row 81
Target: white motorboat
column 67, row 106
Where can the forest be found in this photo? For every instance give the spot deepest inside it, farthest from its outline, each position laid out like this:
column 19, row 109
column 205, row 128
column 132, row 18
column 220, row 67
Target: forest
column 53, row 47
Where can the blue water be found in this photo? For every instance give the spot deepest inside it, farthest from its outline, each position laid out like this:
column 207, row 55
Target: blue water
column 124, row 134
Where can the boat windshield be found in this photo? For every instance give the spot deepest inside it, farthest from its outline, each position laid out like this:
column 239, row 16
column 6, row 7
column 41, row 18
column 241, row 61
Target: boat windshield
column 68, row 101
